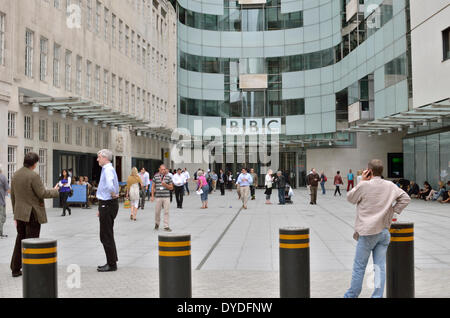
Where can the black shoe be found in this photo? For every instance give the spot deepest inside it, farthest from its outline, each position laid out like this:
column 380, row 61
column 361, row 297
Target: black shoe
column 64, row 214
column 311, row 203
column 3, row 236
column 167, row 229
column 156, row 226
column 70, row 212
column 107, row 268
column 18, row 274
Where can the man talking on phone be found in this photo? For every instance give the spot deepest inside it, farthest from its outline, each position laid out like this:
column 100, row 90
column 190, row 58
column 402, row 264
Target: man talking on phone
column 376, row 202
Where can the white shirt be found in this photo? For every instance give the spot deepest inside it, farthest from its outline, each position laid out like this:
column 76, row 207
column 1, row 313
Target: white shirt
column 186, row 175
column 179, row 179
column 145, row 178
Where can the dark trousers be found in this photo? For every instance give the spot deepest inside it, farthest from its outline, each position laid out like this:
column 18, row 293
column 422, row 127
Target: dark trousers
column 25, row 230
column 337, row 190
column 186, row 185
column 63, row 196
column 222, row 188
column 313, row 190
column 281, row 196
column 108, row 212
column 179, row 192
column 350, row 182
column 252, row 191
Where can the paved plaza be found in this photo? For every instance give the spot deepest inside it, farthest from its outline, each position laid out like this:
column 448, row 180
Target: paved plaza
column 235, row 253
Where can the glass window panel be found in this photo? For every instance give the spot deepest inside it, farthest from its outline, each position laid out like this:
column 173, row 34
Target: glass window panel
column 420, row 146
column 433, row 160
column 444, row 145
column 408, row 157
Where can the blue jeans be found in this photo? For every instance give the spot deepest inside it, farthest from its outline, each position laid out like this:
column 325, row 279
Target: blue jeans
column 377, row 244
column 322, row 184
column 204, row 195
column 281, row 196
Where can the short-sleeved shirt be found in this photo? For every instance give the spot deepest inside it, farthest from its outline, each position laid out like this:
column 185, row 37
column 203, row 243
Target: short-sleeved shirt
column 350, row 176
column 4, row 187
column 160, row 190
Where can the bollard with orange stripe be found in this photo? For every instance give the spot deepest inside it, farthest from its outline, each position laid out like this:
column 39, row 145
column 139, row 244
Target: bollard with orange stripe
column 175, row 279
column 294, row 263
column 400, row 261
column 39, row 268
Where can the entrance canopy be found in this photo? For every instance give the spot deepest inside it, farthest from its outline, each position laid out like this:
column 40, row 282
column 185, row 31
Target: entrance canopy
column 435, row 112
column 79, row 108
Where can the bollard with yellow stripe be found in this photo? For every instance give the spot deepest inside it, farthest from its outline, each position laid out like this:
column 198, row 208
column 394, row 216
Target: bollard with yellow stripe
column 294, row 263
column 400, row 261
column 39, row 268
column 175, row 279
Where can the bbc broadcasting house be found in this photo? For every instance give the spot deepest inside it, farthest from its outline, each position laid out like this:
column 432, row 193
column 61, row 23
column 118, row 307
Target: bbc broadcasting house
column 328, row 84
column 80, row 76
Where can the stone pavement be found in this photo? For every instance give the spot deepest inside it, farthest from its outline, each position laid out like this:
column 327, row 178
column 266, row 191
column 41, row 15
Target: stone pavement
column 234, row 251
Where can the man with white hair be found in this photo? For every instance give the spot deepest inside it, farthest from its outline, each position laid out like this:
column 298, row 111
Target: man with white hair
column 4, row 188
column 108, row 206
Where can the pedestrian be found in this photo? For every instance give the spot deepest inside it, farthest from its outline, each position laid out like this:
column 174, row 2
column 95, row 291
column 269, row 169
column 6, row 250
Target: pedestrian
column 350, row 178
column 134, row 186
column 145, row 178
column 161, row 186
column 179, row 180
column 64, row 191
column 244, row 181
column 280, row 181
column 186, row 177
column 313, row 181
column 170, row 174
column 268, row 184
column 338, row 183
column 238, row 186
column 222, row 179
column 255, row 183
column 202, row 188
column 4, row 189
column 323, row 179
column 214, row 179
column 376, row 202
column 108, row 206
column 27, row 199
column 229, row 181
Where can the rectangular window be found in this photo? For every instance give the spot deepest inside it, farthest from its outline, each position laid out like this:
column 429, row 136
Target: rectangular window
column 68, row 71
column 56, row 4
column 106, row 11
column 132, row 45
column 43, row 165
column 27, row 150
column 42, row 129
column 133, row 100
column 97, row 17
column 2, row 38
column 97, row 138
column 43, row 59
column 89, row 14
column 88, row 137
column 120, row 35
column 78, row 75
column 120, row 94
column 12, row 162
column 68, row 134
column 105, row 140
column 12, row 124
column 88, row 78
column 446, row 43
column 56, row 65
column 78, row 135
column 138, row 50
column 97, row 83
column 127, row 97
column 29, row 46
column 138, row 102
column 105, row 87
column 56, row 132
column 113, row 90
column 113, row 30
column 396, row 70
column 28, row 127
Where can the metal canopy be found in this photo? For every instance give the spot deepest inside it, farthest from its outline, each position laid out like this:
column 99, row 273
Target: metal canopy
column 100, row 114
column 420, row 116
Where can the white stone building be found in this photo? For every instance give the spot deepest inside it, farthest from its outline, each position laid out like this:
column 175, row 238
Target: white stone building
column 77, row 76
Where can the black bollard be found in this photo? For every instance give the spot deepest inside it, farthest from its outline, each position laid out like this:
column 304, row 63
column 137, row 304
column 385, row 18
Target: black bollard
column 400, row 262
column 39, row 268
column 175, row 279
column 294, row 263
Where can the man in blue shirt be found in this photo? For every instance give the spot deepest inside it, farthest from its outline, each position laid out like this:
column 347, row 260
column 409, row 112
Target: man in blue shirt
column 108, row 206
column 350, row 178
column 244, row 180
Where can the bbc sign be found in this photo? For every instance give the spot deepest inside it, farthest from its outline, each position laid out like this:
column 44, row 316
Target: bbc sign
column 253, row 126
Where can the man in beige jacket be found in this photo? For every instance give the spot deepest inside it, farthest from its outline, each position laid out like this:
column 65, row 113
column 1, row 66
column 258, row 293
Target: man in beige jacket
column 27, row 199
column 377, row 200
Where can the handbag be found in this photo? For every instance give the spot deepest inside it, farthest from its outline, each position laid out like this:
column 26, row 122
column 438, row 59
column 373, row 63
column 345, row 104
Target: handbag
column 199, row 191
column 127, row 204
column 71, row 192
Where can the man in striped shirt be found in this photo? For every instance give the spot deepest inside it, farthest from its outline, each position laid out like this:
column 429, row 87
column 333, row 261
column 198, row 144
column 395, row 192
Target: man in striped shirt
column 161, row 186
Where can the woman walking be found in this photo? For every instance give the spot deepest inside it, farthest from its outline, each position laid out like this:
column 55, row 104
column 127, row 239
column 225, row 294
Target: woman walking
column 134, row 186
column 323, row 179
column 202, row 184
column 64, row 191
column 338, row 182
column 229, row 181
column 268, row 184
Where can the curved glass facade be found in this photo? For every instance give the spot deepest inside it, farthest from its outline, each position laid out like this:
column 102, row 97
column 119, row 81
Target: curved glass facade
column 239, row 18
